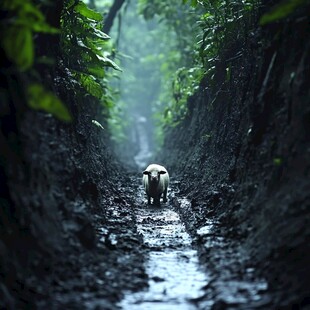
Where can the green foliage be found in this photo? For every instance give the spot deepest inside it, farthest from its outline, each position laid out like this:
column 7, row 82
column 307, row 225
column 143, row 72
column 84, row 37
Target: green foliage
column 82, row 37
column 221, row 22
column 204, row 29
column 188, row 39
column 41, row 99
column 82, row 9
column 177, row 18
column 18, row 45
column 194, row 3
column 17, row 33
column 184, row 84
column 23, row 21
column 152, row 49
column 180, row 71
column 90, row 84
column 118, row 123
column 280, row 11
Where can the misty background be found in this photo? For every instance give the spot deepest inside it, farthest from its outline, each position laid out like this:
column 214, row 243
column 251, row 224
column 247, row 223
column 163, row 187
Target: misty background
column 150, row 50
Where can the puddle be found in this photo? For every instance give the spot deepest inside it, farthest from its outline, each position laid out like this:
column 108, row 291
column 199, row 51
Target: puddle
column 175, row 278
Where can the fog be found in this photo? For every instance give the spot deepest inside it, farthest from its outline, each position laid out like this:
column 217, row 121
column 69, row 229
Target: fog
column 141, row 52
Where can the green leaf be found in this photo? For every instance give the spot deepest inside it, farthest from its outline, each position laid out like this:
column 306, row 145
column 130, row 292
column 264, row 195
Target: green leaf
column 96, row 71
column 41, row 99
column 17, row 39
column 109, row 63
column 45, row 28
column 91, row 61
column 90, row 84
column 30, row 12
column 100, row 34
column 18, row 45
column 280, row 11
column 85, row 11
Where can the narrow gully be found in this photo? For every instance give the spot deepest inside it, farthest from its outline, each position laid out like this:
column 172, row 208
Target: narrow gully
column 175, row 278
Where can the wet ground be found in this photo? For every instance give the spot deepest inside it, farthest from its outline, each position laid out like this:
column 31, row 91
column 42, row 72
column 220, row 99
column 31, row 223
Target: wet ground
column 175, row 277
column 179, row 276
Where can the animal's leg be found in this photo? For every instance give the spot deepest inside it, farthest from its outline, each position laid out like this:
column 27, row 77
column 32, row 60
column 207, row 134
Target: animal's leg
column 165, row 196
column 157, row 200
column 148, row 199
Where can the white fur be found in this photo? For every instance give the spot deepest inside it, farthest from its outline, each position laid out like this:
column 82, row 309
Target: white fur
column 156, row 189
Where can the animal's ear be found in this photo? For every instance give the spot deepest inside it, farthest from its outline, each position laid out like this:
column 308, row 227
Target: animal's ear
column 146, row 172
column 162, row 172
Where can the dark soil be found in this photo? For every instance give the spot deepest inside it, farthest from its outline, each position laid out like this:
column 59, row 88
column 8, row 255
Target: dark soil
column 68, row 233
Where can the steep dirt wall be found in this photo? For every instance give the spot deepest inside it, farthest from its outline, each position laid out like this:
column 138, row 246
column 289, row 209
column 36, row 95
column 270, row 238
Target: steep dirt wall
column 242, row 154
column 60, row 191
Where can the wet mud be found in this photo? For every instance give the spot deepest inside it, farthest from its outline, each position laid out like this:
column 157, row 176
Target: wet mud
column 190, row 261
column 176, row 279
column 183, row 276
column 234, row 281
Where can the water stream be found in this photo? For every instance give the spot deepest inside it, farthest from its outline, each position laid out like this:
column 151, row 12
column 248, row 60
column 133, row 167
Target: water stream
column 175, row 278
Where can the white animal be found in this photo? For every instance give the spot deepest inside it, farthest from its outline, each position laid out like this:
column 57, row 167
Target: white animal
column 155, row 181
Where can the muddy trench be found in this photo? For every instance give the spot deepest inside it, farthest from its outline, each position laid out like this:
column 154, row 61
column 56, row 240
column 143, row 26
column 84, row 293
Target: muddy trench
column 76, row 231
column 176, row 276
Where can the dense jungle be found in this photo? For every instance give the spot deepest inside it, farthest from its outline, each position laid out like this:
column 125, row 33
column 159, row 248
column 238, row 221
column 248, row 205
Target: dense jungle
column 216, row 93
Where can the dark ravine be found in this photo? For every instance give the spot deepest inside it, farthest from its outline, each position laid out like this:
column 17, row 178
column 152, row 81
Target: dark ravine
column 243, row 159
column 68, row 229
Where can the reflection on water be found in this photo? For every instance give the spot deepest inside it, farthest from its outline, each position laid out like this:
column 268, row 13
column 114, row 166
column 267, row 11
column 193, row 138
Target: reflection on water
column 175, row 278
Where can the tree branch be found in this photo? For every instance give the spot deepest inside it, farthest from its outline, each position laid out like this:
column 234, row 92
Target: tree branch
column 108, row 23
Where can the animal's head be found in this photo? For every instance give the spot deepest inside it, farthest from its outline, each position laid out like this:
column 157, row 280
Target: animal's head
column 154, row 175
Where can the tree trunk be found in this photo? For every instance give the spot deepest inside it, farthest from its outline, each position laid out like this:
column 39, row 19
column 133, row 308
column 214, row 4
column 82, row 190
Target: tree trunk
column 117, row 5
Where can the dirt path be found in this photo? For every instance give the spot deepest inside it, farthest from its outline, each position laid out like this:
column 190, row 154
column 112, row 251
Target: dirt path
column 175, row 277
column 179, row 277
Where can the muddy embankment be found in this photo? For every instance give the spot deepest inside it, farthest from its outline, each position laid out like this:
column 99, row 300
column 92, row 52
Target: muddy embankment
column 242, row 158
column 66, row 218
